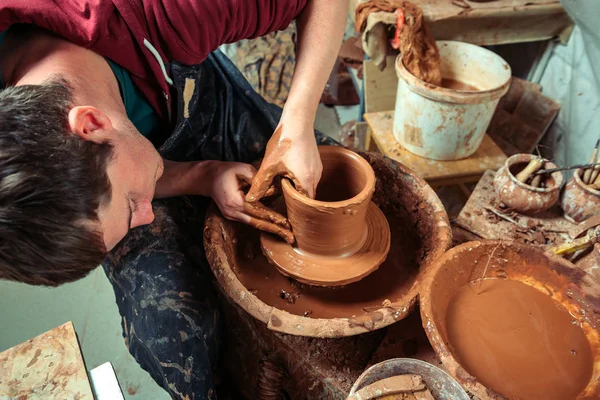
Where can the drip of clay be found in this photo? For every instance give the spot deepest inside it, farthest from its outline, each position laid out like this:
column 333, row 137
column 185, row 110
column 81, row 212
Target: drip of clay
column 518, row 341
column 341, row 236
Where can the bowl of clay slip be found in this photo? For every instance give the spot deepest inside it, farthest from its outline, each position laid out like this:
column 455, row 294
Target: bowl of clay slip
column 341, row 236
column 536, row 336
column 520, row 196
column 579, row 201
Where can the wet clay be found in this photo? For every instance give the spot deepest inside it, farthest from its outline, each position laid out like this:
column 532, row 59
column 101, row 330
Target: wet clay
column 392, row 280
column 519, row 341
column 340, row 235
column 332, row 270
column 334, row 223
column 271, row 167
column 457, row 85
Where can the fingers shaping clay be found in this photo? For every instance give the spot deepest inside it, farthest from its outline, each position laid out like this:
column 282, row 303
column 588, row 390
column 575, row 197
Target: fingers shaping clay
column 341, row 236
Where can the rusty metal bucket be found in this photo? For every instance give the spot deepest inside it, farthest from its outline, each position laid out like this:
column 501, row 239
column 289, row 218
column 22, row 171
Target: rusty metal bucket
column 420, row 233
column 577, row 291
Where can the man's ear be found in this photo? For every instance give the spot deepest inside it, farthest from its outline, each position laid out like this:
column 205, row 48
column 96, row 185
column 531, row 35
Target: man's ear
column 89, row 123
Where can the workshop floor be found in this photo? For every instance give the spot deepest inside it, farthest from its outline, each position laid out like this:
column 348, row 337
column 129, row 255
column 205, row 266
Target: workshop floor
column 27, row 311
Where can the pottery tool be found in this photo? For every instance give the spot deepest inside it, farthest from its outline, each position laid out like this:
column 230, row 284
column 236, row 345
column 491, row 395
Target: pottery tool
column 588, row 172
column 551, row 170
column 395, row 385
column 533, row 166
column 590, row 227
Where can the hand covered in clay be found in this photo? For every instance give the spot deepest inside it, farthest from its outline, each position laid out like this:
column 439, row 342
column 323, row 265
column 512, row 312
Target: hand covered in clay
column 291, row 153
column 227, row 181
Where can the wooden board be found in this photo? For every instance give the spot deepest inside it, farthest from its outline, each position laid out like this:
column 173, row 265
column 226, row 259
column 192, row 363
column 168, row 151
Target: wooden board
column 494, row 22
column 49, row 366
column 476, row 218
column 548, row 229
column 488, row 156
column 380, row 86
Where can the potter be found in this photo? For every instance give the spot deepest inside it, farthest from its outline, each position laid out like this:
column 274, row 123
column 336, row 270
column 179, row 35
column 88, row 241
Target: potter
column 340, row 236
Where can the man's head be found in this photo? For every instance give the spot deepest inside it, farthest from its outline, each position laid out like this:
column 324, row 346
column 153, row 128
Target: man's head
column 72, row 182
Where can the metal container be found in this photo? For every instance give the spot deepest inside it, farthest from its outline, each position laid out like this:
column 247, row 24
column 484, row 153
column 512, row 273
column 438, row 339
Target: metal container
column 447, row 124
column 441, row 385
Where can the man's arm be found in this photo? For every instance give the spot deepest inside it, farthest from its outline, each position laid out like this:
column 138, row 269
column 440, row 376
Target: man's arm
column 320, row 32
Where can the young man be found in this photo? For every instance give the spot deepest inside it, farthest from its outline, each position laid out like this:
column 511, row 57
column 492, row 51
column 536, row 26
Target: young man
column 88, row 93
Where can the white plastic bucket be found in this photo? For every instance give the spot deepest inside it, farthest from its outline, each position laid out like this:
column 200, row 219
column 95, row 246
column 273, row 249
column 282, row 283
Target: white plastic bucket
column 447, row 124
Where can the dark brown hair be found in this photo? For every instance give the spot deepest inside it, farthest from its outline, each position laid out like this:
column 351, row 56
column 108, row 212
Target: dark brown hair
column 51, row 185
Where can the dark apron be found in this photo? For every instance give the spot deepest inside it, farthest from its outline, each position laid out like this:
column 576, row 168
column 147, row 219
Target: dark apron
column 162, row 280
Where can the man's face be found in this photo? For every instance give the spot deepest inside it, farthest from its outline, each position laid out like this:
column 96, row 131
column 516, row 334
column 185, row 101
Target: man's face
column 133, row 171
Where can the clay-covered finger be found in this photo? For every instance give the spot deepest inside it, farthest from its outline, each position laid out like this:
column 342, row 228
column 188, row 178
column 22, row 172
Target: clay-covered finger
column 265, row 226
column 260, row 185
column 258, row 210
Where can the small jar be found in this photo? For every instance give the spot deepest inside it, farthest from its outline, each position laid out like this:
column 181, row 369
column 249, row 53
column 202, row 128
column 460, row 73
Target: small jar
column 579, row 201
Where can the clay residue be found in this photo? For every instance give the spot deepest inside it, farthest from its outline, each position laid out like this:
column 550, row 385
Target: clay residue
column 188, row 92
column 457, row 85
column 518, row 341
column 394, row 279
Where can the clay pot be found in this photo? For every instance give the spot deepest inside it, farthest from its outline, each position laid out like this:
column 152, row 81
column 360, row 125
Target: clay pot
column 420, row 233
column 334, row 223
column 341, row 236
column 578, row 201
column 576, row 291
column 521, row 197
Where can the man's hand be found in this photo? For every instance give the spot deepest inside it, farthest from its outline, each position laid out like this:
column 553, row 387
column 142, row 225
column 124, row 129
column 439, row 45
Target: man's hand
column 227, row 181
column 291, row 153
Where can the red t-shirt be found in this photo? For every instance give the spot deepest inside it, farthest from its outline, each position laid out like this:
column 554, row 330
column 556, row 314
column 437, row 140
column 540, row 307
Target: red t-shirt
column 143, row 36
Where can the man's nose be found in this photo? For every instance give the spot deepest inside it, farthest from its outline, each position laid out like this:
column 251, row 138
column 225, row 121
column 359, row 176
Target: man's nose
column 143, row 214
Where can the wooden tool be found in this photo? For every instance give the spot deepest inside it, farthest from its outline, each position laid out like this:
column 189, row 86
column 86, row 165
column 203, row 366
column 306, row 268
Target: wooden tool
column 530, row 169
column 589, row 227
column 395, row 385
column 551, row 170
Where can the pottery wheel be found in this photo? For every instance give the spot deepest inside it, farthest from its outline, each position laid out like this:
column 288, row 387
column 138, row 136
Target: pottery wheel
column 332, row 271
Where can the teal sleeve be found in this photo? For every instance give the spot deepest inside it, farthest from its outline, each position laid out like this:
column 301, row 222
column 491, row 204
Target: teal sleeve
column 138, row 109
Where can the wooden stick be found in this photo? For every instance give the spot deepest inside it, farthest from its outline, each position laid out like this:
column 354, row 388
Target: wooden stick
column 595, row 170
column 530, row 169
column 597, row 180
column 506, row 218
column 588, row 172
column 595, row 186
column 551, row 170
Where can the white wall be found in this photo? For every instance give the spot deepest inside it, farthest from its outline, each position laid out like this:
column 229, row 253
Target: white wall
column 572, row 77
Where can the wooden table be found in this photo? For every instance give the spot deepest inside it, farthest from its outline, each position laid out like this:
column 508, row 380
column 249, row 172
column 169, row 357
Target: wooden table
column 483, row 218
column 49, row 366
column 436, row 173
column 494, row 22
